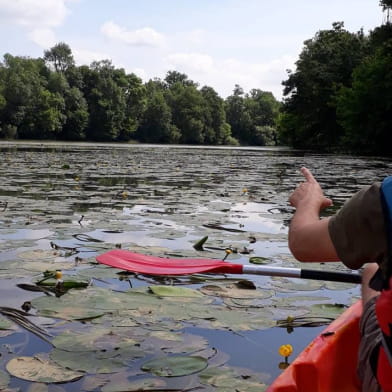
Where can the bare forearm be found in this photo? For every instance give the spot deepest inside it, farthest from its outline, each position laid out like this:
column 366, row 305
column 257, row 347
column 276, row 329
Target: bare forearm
column 309, row 238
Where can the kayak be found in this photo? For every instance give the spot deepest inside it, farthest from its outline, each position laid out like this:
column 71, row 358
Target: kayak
column 329, row 362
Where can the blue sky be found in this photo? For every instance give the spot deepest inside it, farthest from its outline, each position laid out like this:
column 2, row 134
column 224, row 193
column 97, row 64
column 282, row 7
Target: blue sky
column 218, row 43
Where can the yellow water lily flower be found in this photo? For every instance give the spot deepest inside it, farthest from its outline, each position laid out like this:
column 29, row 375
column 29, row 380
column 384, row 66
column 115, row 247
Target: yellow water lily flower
column 286, row 350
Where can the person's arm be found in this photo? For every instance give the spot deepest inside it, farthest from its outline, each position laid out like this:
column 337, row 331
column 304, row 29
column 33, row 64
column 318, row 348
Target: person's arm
column 309, row 238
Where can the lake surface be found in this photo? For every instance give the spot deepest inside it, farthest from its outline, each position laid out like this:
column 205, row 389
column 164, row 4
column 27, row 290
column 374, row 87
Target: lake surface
column 63, row 204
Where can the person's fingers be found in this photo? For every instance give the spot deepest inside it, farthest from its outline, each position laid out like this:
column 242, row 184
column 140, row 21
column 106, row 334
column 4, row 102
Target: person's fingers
column 308, row 174
column 326, row 203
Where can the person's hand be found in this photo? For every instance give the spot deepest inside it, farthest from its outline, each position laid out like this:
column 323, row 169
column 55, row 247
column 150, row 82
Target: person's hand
column 309, row 193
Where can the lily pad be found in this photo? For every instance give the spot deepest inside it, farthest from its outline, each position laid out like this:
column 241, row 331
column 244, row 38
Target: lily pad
column 259, row 260
column 174, row 291
column 145, row 384
column 175, row 366
column 228, row 379
column 327, row 310
column 234, row 290
column 91, row 340
column 56, row 307
column 102, row 362
column 41, row 370
column 4, row 379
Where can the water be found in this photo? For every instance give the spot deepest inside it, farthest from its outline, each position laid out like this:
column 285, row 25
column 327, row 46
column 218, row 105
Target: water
column 62, row 204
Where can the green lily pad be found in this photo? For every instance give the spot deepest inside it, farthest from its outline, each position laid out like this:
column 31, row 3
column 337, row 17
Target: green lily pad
column 4, row 379
column 63, row 309
column 145, row 384
column 175, row 366
column 174, row 291
column 91, row 340
column 38, row 254
column 327, row 310
column 102, row 362
column 228, row 379
column 234, row 291
column 40, row 370
column 5, row 324
column 259, row 260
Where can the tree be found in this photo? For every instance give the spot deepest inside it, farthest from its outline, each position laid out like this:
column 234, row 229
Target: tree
column 325, row 64
column 106, row 101
column 173, row 77
column 386, row 4
column 60, row 56
column 30, row 109
column 253, row 116
column 365, row 108
column 237, row 116
column 186, row 104
column 135, row 102
column 216, row 129
column 156, row 125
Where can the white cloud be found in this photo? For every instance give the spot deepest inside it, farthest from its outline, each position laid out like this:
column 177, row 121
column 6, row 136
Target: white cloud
column 141, row 37
column 33, row 13
column 192, row 62
column 140, row 72
column 45, row 38
column 222, row 75
column 86, row 57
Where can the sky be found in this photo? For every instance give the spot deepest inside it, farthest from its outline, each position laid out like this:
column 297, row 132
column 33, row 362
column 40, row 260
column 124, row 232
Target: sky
column 219, row 43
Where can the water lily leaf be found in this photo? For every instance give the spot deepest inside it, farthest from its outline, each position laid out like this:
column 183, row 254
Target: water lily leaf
column 227, row 379
column 102, row 362
column 174, row 291
column 338, row 286
column 4, row 379
column 56, row 307
column 40, row 387
column 5, row 324
column 177, row 343
column 100, row 272
column 69, row 282
column 175, row 366
column 40, row 370
column 234, row 290
column 327, row 310
column 199, row 244
column 41, row 266
column 145, row 384
column 222, row 318
column 91, row 383
column 259, row 260
column 288, row 285
column 38, row 254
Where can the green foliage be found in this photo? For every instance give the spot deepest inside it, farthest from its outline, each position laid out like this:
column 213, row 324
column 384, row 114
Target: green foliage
column 385, row 4
column 60, row 56
column 51, row 98
column 156, row 125
column 186, row 104
column 253, row 117
column 365, row 108
column 324, row 65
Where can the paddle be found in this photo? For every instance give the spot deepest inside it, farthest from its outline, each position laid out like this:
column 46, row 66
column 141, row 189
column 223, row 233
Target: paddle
column 152, row 265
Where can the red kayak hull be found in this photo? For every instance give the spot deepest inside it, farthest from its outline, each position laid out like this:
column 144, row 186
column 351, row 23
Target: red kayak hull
column 329, row 362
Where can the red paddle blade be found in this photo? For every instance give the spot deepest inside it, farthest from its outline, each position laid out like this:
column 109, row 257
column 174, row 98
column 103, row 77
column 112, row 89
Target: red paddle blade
column 152, row 265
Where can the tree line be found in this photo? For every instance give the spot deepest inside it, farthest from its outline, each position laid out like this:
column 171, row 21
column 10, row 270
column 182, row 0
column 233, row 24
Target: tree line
column 339, row 98
column 340, row 95
column 52, row 98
